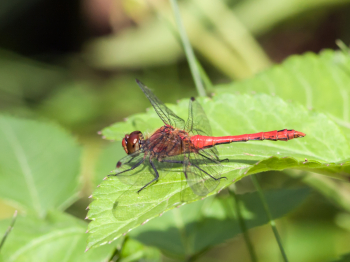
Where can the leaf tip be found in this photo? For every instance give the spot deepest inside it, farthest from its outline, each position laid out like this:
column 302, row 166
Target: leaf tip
column 86, row 250
column 90, row 196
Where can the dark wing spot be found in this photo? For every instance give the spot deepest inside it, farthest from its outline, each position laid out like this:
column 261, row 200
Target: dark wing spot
column 192, row 98
column 119, row 164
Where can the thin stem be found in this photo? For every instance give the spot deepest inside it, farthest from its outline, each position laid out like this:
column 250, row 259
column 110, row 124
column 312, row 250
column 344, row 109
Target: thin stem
column 343, row 47
column 204, row 76
column 269, row 216
column 8, row 229
column 115, row 257
column 207, row 82
column 243, row 227
column 188, row 49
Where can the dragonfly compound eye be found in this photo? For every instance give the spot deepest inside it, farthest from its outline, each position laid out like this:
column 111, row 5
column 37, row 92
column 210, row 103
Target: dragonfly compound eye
column 125, row 143
column 134, row 142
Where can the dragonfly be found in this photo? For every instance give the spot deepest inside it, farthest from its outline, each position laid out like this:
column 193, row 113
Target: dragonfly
column 189, row 144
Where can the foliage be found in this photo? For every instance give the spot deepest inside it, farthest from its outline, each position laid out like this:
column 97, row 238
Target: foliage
column 33, row 239
column 44, row 160
column 189, row 230
column 32, row 152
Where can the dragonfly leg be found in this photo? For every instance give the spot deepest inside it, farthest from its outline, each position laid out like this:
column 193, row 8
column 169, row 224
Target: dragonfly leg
column 207, row 172
column 226, row 159
column 136, row 165
column 212, row 159
column 173, row 161
column 153, row 180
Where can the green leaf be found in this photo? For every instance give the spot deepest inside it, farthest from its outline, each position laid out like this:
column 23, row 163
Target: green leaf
column 195, row 227
column 59, row 237
column 39, row 165
column 107, row 161
column 319, row 82
column 344, row 258
column 324, row 147
column 133, row 250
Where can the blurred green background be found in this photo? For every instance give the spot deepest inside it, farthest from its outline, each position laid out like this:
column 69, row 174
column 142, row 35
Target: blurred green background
column 74, row 63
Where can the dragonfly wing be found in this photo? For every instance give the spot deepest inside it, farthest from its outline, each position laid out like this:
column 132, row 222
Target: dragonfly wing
column 197, row 122
column 202, row 172
column 167, row 116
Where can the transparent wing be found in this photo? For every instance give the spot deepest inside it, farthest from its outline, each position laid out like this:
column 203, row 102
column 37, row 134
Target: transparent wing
column 202, row 172
column 198, row 123
column 167, row 116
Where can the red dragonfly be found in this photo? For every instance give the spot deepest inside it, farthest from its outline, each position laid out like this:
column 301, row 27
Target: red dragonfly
column 189, row 144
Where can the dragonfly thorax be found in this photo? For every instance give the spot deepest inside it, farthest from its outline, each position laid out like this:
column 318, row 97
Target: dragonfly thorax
column 132, row 142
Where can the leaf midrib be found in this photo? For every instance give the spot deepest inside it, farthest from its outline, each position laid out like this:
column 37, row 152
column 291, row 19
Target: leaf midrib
column 46, row 238
column 23, row 163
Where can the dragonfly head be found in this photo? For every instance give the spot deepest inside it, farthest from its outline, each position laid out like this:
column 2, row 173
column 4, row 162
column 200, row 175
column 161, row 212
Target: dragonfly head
column 132, row 142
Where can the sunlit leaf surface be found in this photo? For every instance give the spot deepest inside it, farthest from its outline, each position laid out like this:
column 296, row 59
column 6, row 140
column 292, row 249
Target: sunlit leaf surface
column 117, row 207
column 39, row 165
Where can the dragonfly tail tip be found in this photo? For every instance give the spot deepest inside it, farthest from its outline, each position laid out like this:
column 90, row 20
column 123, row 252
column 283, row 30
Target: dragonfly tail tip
column 299, row 134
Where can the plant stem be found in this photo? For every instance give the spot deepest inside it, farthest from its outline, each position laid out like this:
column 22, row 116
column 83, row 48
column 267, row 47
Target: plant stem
column 8, row 229
column 243, row 227
column 204, row 76
column 269, row 216
column 188, row 49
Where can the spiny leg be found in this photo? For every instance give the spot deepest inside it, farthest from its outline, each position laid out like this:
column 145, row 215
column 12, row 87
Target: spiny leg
column 181, row 162
column 208, row 173
column 173, row 161
column 220, row 160
column 153, row 180
column 136, row 165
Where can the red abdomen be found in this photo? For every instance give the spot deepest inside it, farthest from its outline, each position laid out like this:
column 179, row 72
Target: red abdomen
column 209, row 141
